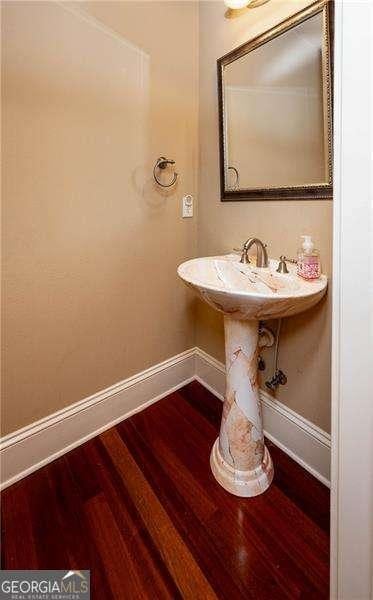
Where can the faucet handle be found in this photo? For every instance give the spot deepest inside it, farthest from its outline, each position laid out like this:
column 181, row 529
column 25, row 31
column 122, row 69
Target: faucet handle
column 244, row 257
column 282, row 267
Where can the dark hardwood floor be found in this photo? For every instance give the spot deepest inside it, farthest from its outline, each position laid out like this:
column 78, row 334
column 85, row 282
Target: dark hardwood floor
column 139, row 507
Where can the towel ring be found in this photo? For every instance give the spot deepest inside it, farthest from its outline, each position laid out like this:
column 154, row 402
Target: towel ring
column 162, row 163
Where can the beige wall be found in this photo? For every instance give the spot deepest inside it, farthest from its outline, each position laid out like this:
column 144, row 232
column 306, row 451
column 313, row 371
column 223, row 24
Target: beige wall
column 90, row 244
column 305, row 339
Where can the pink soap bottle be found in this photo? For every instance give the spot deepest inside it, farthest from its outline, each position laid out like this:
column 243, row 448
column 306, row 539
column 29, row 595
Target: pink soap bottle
column 308, row 265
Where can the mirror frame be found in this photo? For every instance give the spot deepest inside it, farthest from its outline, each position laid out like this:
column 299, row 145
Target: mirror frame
column 304, row 192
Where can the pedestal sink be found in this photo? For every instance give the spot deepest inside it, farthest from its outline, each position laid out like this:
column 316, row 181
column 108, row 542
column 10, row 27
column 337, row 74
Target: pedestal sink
column 246, row 294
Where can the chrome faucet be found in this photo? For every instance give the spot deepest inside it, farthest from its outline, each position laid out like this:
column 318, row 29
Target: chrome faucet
column 261, row 252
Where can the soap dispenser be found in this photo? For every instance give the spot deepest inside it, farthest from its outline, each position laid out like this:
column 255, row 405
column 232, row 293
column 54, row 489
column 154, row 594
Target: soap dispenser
column 308, row 265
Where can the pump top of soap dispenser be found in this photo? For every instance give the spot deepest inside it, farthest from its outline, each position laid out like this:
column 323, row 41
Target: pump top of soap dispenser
column 308, row 244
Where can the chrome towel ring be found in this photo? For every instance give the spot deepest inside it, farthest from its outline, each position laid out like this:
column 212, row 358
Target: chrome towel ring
column 162, row 163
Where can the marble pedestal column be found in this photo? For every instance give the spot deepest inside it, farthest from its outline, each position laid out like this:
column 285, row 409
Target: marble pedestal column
column 239, row 460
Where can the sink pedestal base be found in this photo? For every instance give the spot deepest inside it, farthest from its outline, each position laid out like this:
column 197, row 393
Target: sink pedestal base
column 239, row 460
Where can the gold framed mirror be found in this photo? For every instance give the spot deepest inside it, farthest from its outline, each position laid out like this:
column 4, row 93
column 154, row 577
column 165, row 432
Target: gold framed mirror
column 275, row 111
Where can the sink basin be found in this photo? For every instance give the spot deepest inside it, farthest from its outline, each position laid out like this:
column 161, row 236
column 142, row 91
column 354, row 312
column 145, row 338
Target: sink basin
column 239, row 460
column 247, row 292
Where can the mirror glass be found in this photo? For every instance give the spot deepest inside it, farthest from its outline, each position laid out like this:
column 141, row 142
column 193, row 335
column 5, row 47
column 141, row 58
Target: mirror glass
column 275, row 113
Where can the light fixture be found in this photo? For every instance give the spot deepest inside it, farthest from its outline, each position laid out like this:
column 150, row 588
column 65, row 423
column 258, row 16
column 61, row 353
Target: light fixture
column 236, row 4
column 236, row 7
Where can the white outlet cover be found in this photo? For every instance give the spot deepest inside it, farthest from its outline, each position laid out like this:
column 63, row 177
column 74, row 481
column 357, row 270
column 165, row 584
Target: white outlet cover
column 187, row 206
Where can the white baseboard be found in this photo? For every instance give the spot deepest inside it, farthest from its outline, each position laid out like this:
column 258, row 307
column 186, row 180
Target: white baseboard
column 306, row 443
column 35, row 445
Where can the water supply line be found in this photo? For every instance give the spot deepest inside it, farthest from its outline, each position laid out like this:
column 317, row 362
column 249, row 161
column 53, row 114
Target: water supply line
column 266, row 340
column 278, row 377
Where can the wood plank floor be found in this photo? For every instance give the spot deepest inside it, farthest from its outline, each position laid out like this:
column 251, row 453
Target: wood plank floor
column 139, row 507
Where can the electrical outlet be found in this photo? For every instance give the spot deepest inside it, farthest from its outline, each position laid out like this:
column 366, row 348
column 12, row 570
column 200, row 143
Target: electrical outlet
column 187, row 206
